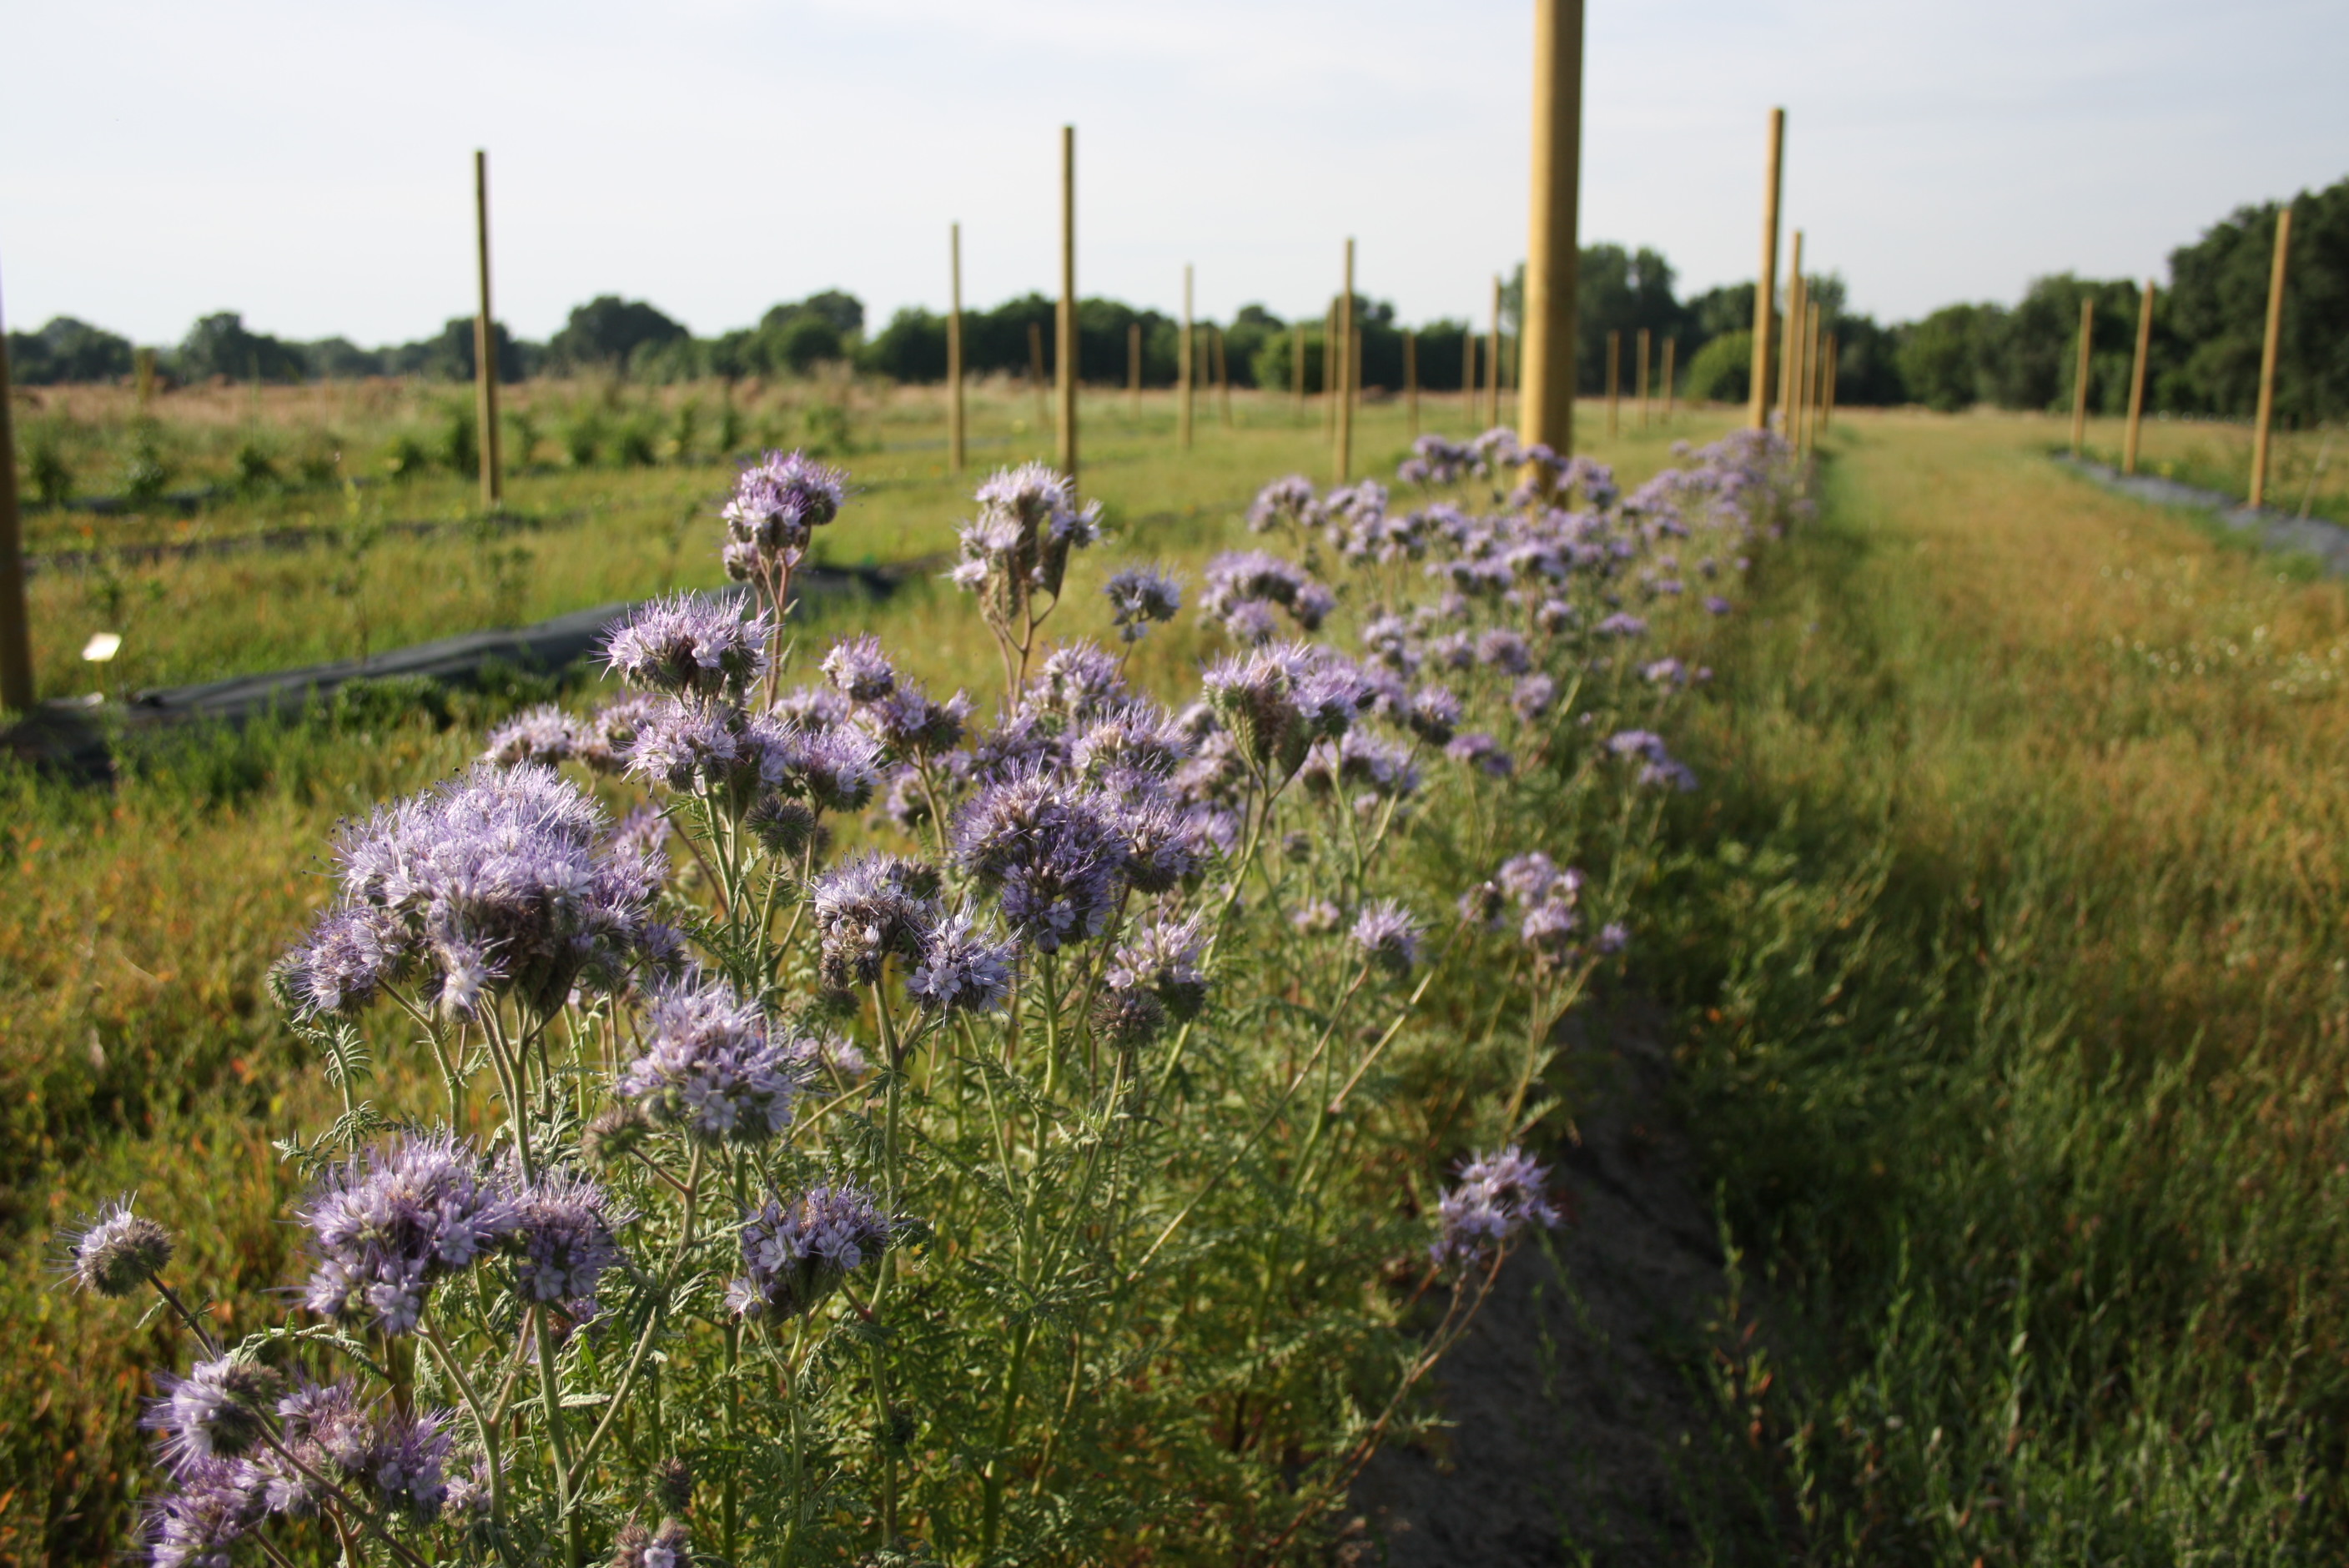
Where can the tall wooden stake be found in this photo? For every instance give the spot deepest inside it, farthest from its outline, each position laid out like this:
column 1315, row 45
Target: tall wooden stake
column 1643, row 376
column 1036, row 372
column 1411, row 381
column 16, row 630
column 143, row 362
column 955, row 455
column 1183, row 369
column 1493, row 360
column 1614, row 365
column 1670, row 344
column 2268, row 358
column 2080, row 375
column 1813, row 379
column 1347, row 379
column 1766, row 291
column 1064, row 348
column 2136, row 378
column 1133, row 368
column 1545, row 316
column 1829, row 360
column 485, row 343
column 1329, row 372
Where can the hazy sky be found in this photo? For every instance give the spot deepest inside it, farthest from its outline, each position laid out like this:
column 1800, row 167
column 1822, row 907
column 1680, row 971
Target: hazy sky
column 308, row 164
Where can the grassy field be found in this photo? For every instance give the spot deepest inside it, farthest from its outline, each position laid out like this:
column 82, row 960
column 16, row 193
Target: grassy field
column 2017, row 988
column 137, row 928
column 579, row 534
column 2308, row 471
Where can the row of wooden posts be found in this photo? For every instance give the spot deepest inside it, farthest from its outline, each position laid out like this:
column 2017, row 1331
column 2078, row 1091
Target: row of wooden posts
column 2256, row 492
column 1798, row 375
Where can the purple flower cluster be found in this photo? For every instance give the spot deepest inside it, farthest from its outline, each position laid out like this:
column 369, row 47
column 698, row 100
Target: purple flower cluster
column 713, row 1065
column 1289, row 501
column 1028, row 519
column 690, row 645
column 501, row 884
column 778, row 503
column 563, row 1241
column 1138, row 595
column 393, row 1221
column 1245, row 586
column 796, row 1251
column 1497, row 1196
column 1387, row 935
column 1278, row 701
column 118, row 1252
column 1658, row 768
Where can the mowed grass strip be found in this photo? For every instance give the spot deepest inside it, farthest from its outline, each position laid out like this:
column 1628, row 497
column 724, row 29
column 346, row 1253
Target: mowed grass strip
column 2009, row 937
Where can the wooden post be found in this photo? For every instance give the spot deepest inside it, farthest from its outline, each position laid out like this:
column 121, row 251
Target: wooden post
column 2268, row 358
column 1814, row 378
column 2136, row 378
column 1614, row 358
column 2080, row 375
column 1183, row 369
column 485, row 344
column 1036, row 372
column 1297, row 365
column 1133, row 368
column 1793, row 323
column 142, row 361
column 1064, row 347
column 1411, row 381
column 1493, row 360
column 1670, row 344
column 1643, row 378
column 1766, row 291
column 1347, row 379
column 1545, row 315
column 1222, row 377
column 16, row 630
column 955, row 442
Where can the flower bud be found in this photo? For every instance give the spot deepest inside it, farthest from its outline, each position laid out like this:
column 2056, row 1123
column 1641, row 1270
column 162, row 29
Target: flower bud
column 120, row 1251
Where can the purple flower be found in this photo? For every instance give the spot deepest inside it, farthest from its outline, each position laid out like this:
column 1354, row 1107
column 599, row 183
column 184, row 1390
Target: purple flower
column 219, row 1410
column 796, row 1251
column 1479, row 750
column 1548, row 930
column 1285, row 500
column 1717, row 604
column 1497, row 1196
column 669, row 1546
column 1080, row 682
column 1241, row 582
column 1135, row 736
column 1165, row 957
column 1613, row 938
column 393, row 1221
column 1665, row 672
column 1555, row 615
column 1532, row 697
column 540, row 734
column 1387, row 935
column 215, row 1503
column 1362, row 762
column 1658, row 769
column 866, row 909
column 813, row 708
column 1434, row 715
column 564, row 1239
column 910, row 725
column 118, row 1250
column 1622, row 624
column 1531, row 878
column 777, row 504
column 1316, row 917
column 411, row 1451
column 712, row 1065
column 859, row 670
column 961, row 967
column 1028, row 520
column 1138, row 595
column 1504, row 650
column 691, row 646
column 832, row 769
column 602, row 740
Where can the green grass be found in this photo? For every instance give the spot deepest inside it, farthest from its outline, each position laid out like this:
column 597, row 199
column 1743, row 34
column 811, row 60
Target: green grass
column 2007, row 933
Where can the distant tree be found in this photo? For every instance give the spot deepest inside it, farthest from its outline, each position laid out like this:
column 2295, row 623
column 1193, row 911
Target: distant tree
column 1940, row 356
column 2218, row 312
column 1722, row 370
column 68, row 350
column 340, row 359
column 607, row 331
column 1619, row 291
column 912, row 348
column 221, row 344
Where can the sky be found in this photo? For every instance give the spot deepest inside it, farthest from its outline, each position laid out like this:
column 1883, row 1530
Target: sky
column 310, row 165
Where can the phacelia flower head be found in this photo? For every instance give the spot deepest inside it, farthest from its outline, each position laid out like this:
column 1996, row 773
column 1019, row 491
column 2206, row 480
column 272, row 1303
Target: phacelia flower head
column 563, row 1241
column 690, row 645
column 778, row 503
column 219, row 1410
column 1387, row 935
column 859, row 670
column 866, row 909
column 1497, row 1196
column 1290, row 501
column 1481, row 751
column 712, row 1065
column 390, row 1223
column 1138, row 595
column 1028, row 519
column 214, row 1504
column 796, row 1251
column 669, row 1546
column 1166, row 957
column 540, row 734
column 503, row 883
column 118, row 1251
column 961, row 967
column 1658, row 768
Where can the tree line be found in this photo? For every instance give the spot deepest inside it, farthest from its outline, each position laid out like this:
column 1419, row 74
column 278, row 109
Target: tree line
column 2207, row 329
